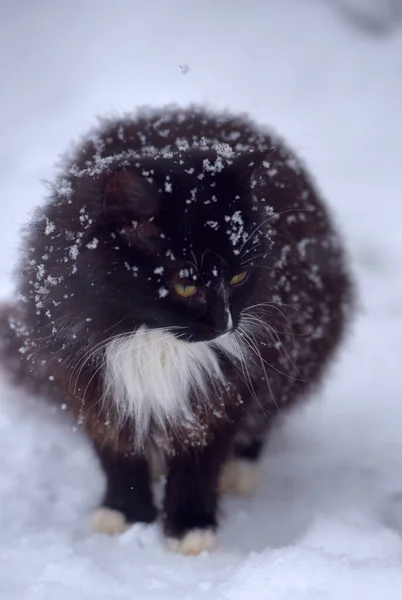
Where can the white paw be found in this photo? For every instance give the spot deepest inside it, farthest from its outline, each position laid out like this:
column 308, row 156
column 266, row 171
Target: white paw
column 239, row 476
column 109, row 521
column 194, row 542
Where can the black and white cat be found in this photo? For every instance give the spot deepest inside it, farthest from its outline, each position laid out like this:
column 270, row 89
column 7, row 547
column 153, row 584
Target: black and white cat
column 181, row 285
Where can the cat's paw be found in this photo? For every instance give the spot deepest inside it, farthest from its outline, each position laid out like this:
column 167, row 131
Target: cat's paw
column 193, row 542
column 109, row 521
column 239, row 476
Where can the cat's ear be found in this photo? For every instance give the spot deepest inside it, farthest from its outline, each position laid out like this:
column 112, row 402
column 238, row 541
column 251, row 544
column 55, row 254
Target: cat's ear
column 266, row 176
column 127, row 190
column 134, row 202
column 276, row 169
column 257, row 165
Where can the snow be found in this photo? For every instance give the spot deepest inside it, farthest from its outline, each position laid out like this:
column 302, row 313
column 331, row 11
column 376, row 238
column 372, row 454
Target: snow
column 93, row 244
column 326, row 523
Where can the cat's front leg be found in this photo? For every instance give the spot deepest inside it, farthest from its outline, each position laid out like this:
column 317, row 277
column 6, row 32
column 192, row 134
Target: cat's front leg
column 128, row 498
column 191, row 498
column 240, row 474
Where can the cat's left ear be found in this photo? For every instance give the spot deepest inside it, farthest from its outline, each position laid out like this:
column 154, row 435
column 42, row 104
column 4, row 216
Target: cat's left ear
column 256, row 165
column 275, row 170
column 126, row 190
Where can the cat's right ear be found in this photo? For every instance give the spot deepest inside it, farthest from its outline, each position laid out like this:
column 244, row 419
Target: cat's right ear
column 133, row 202
column 127, row 191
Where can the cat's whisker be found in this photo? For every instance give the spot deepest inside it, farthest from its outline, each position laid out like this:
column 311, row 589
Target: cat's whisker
column 251, row 345
column 275, row 306
column 254, row 248
column 195, row 264
column 253, row 233
column 253, row 258
column 275, row 215
column 260, row 324
column 263, row 324
column 247, row 376
column 257, row 352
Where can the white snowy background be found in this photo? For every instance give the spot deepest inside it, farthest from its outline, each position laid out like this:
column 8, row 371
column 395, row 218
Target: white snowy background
column 327, row 521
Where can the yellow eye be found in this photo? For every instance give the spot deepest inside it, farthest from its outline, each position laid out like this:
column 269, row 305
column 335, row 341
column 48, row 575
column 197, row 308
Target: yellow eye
column 185, row 291
column 239, row 278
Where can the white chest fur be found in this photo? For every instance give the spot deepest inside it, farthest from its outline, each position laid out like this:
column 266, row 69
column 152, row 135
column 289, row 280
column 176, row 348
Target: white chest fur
column 151, row 374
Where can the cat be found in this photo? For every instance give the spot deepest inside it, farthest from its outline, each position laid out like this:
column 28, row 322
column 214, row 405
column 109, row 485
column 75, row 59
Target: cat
column 182, row 284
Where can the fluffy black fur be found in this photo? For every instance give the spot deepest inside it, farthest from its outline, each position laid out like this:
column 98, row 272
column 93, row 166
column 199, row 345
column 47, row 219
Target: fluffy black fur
column 192, row 197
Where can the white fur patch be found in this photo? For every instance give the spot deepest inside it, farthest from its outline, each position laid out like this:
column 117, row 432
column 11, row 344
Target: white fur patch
column 194, row 542
column 157, row 463
column 239, row 476
column 108, row 521
column 150, row 375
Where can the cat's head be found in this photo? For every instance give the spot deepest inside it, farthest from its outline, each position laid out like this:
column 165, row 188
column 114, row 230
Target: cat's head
column 178, row 242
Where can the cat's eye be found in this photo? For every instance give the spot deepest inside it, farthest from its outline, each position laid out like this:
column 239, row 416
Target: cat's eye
column 239, row 278
column 185, row 290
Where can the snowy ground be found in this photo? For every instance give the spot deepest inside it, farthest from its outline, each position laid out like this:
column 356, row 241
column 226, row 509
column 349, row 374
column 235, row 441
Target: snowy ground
column 327, row 522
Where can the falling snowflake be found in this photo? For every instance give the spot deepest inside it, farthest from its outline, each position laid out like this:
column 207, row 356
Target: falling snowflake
column 184, row 68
